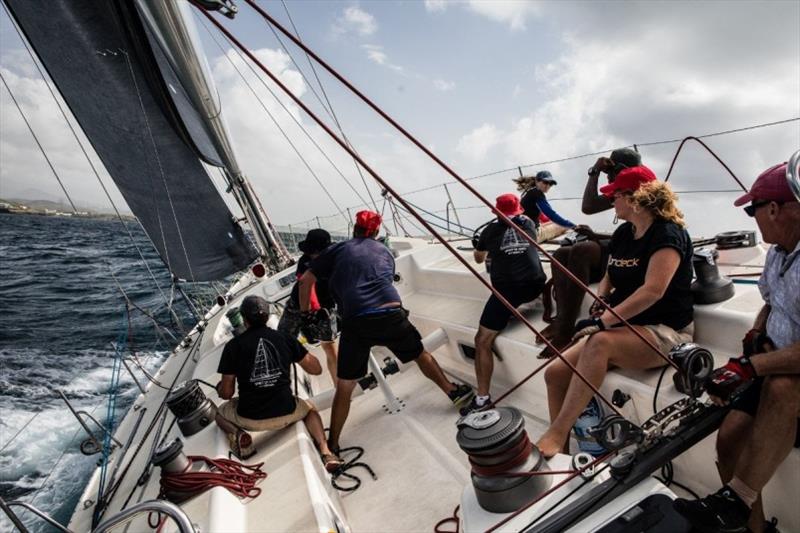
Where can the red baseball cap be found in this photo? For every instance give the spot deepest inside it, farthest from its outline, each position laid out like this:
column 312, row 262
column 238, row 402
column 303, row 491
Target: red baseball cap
column 771, row 185
column 628, row 179
column 369, row 220
column 508, row 204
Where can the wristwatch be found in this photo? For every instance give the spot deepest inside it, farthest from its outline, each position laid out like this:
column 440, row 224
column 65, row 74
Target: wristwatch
column 593, row 172
column 744, row 360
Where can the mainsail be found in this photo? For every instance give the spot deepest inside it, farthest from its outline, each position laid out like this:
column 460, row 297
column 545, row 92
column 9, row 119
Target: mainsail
column 136, row 115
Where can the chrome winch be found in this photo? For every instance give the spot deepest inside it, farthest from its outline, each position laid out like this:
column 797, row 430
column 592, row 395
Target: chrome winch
column 503, row 459
column 191, row 407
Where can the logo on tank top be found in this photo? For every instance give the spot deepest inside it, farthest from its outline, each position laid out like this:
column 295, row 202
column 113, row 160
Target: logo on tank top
column 266, row 368
column 623, row 263
column 513, row 243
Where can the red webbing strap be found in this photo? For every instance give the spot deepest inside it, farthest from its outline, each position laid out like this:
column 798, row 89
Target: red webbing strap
column 430, row 154
column 411, row 210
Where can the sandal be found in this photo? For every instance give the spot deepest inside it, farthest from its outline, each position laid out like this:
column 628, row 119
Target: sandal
column 241, row 444
column 332, row 462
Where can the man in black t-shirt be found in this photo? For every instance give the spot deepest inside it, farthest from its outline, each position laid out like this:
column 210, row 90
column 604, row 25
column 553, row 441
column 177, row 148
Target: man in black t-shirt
column 516, row 274
column 323, row 326
column 259, row 360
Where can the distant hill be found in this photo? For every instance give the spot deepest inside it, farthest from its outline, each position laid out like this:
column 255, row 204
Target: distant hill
column 49, row 207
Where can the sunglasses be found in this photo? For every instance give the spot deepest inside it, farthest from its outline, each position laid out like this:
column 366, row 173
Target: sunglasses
column 753, row 207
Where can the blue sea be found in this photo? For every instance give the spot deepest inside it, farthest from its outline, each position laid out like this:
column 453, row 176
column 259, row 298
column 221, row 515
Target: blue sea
column 63, row 317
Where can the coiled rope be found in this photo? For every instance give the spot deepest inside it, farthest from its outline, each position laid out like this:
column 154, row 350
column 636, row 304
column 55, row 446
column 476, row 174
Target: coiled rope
column 239, row 479
column 354, row 462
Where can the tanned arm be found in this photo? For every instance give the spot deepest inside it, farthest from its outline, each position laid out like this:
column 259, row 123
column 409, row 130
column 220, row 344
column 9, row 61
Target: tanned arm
column 226, row 386
column 306, row 284
column 593, row 202
column 479, row 255
column 310, row 364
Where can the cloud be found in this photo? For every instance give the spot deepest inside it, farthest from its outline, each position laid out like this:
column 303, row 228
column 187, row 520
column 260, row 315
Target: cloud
column 515, row 13
column 476, row 144
column 443, row 85
column 356, row 20
column 435, row 6
column 376, row 54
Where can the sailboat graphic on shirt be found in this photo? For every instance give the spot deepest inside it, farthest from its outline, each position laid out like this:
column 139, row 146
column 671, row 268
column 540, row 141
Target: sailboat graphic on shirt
column 266, row 368
column 513, row 243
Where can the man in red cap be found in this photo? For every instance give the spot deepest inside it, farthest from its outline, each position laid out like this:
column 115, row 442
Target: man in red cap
column 516, row 273
column 360, row 274
column 763, row 385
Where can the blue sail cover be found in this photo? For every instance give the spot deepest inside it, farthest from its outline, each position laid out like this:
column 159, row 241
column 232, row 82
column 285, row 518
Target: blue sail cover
column 142, row 126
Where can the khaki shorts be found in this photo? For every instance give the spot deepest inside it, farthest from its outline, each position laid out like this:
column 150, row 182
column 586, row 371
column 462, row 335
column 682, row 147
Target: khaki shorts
column 666, row 337
column 548, row 231
column 228, row 411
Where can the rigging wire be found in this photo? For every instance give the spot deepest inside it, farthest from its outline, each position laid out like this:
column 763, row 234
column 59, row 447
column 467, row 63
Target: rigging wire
column 274, row 120
column 85, row 154
column 332, row 112
column 39, row 144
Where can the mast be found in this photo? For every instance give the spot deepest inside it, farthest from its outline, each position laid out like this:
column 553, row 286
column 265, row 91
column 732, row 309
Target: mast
column 175, row 30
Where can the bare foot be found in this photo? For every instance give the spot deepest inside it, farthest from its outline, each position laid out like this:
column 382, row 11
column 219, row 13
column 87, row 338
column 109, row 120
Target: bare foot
column 550, row 444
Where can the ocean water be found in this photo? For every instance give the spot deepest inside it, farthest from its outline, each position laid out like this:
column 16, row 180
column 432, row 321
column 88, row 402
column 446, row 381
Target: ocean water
column 61, row 313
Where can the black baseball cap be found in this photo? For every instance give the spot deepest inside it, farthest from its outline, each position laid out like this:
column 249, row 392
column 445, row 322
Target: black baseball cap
column 254, row 309
column 626, row 156
column 316, row 240
column 546, row 176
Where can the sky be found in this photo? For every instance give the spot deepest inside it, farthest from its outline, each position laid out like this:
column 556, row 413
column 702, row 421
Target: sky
column 487, row 86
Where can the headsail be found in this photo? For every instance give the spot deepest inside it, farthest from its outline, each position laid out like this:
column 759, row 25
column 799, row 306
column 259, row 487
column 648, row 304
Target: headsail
column 143, row 128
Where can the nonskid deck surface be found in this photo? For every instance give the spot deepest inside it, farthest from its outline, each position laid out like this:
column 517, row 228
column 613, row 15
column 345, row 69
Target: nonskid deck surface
column 421, row 470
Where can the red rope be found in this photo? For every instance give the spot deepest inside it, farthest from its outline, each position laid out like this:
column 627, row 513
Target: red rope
column 238, row 478
column 523, row 451
column 449, row 520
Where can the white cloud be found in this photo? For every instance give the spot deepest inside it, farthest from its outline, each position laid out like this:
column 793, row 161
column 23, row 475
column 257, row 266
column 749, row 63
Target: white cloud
column 516, row 91
column 444, row 85
column 435, row 6
column 376, row 54
column 476, row 144
column 355, row 19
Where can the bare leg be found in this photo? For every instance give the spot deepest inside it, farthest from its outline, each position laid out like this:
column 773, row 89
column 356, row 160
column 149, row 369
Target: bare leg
column 557, row 377
column 619, row 347
column 731, row 439
column 776, row 418
column 484, row 358
column 313, row 423
column 331, row 359
column 340, row 409
column 226, row 425
column 579, row 259
column 431, row 369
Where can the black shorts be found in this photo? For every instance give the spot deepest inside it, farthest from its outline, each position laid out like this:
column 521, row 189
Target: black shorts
column 359, row 334
column 495, row 315
column 748, row 400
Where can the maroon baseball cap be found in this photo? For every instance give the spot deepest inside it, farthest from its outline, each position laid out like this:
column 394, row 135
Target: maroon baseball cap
column 508, row 204
column 771, row 185
column 628, row 179
column 369, row 220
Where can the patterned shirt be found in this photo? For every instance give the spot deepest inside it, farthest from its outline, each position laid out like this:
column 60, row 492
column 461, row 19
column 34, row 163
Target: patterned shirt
column 780, row 287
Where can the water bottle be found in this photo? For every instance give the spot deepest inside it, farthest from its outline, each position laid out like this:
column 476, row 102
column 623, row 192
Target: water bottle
column 590, row 417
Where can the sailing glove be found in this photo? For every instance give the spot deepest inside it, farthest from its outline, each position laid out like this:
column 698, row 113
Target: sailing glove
column 597, row 308
column 308, row 327
column 728, row 381
column 756, row 341
column 588, row 326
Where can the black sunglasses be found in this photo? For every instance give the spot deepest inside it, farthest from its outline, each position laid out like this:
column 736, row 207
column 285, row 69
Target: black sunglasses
column 751, row 209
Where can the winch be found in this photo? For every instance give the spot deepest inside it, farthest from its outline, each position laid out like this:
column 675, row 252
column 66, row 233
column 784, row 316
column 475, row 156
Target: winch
column 191, row 407
column 503, row 459
column 695, row 364
column 709, row 286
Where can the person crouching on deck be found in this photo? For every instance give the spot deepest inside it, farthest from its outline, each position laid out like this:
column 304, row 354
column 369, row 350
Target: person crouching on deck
column 647, row 282
column 360, row 274
column 516, row 274
column 763, row 424
column 291, row 323
column 534, row 202
column 259, row 361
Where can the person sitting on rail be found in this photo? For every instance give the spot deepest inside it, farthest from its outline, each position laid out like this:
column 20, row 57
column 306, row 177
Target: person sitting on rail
column 360, row 274
column 259, row 360
column 291, row 323
column 762, row 426
column 534, row 201
column 516, row 274
column 585, row 259
column 647, row 283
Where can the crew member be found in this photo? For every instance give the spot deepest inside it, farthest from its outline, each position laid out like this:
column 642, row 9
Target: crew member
column 534, row 201
column 586, row 259
column 321, row 302
column 516, row 274
column 647, row 282
column 762, row 426
column 259, row 361
column 360, row 274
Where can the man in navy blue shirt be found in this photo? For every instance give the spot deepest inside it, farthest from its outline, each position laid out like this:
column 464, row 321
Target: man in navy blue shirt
column 360, row 274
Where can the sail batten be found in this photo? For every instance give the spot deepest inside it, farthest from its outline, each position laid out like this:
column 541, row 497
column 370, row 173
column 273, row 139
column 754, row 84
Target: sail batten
column 141, row 125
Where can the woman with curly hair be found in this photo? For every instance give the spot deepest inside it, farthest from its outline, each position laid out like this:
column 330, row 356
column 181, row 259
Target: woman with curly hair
column 647, row 282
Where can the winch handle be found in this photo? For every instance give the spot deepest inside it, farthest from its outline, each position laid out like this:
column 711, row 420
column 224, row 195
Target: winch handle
column 793, row 174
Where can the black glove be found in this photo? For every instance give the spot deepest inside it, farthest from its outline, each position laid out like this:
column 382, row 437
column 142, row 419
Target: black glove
column 754, row 342
column 588, row 326
column 308, row 326
column 597, row 308
column 729, row 380
column 475, row 239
